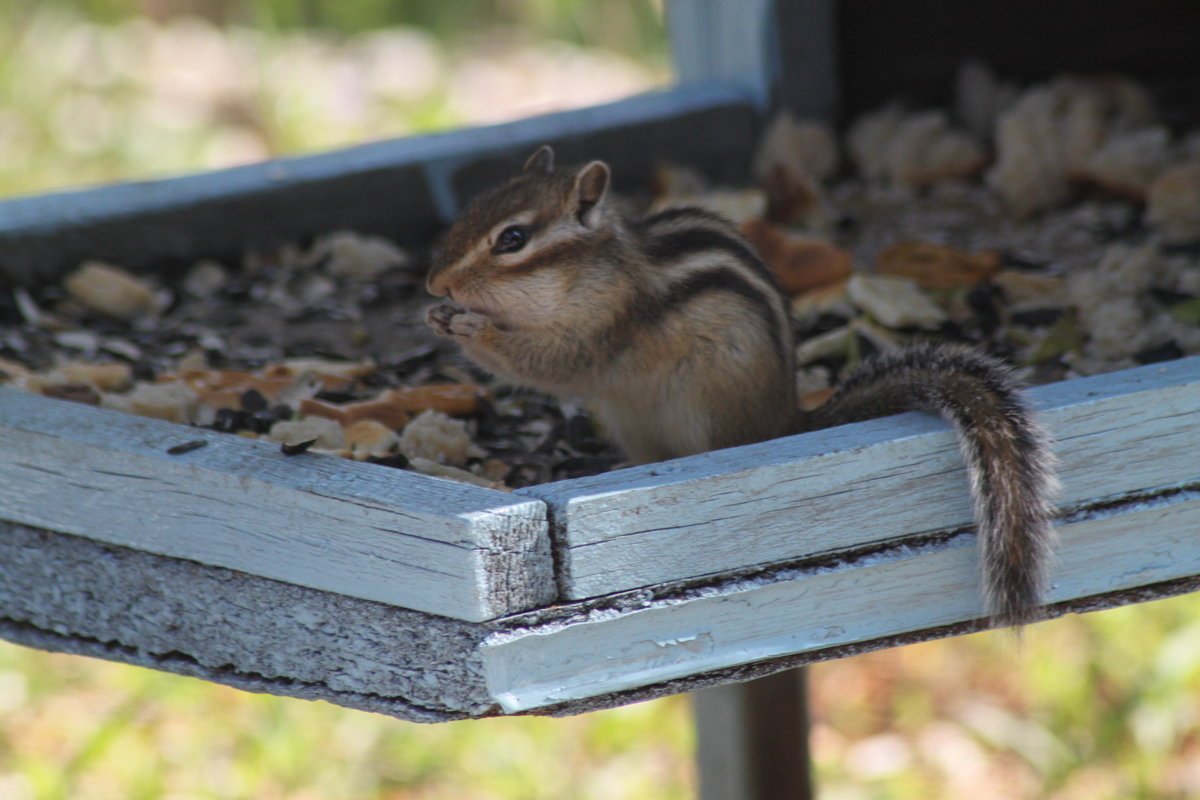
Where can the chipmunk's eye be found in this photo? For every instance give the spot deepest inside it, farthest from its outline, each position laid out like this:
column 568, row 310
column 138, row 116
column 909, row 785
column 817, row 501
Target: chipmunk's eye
column 511, row 239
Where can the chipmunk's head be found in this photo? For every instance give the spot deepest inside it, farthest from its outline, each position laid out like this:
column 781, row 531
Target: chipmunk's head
column 523, row 241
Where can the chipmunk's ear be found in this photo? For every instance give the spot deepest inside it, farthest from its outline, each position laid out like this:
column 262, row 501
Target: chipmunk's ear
column 591, row 185
column 542, row 160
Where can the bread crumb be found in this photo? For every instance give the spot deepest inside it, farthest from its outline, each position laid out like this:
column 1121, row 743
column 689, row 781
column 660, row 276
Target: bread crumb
column 173, row 401
column 1052, row 131
column 1109, row 300
column 793, row 159
column 437, row 437
column 108, row 377
column 1173, row 201
column 913, row 149
column 205, row 279
column 1128, row 163
column 895, row 302
column 328, row 433
column 356, row 256
column 834, row 345
column 111, row 291
column 19, row 376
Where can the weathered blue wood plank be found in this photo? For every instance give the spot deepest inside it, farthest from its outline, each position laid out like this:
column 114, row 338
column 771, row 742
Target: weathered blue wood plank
column 328, row 523
column 850, row 486
column 906, row 588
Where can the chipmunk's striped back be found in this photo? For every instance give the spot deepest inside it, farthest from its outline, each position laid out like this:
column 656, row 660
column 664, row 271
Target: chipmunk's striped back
column 696, row 251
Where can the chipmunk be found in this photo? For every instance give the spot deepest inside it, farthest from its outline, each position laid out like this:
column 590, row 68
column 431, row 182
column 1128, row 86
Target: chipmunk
column 678, row 334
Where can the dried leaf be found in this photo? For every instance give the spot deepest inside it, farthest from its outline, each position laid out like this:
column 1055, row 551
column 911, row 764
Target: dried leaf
column 937, row 266
column 800, row 263
column 370, row 437
column 455, row 399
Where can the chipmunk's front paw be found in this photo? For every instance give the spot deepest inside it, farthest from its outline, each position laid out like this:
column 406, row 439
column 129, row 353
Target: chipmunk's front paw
column 453, row 322
column 438, row 318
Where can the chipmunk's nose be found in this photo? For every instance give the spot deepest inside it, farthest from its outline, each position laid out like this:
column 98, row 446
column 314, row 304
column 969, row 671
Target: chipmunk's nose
column 436, row 284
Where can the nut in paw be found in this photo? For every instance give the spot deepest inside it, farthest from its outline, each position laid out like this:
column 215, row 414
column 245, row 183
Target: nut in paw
column 438, row 318
column 448, row 320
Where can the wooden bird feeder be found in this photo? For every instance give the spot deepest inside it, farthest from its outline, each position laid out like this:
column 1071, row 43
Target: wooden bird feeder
column 398, row 593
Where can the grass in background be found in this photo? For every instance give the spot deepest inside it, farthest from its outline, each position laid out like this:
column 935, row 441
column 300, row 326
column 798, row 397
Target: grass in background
column 1100, row 707
column 124, row 97
column 1104, row 706
column 77, row 729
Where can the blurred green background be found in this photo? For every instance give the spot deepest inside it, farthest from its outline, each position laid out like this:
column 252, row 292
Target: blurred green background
column 1100, row 707
column 97, row 90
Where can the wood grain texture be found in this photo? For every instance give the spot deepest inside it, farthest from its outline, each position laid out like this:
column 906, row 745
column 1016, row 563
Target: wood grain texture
column 71, row 594
column 877, row 595
column 855, row 485
column 355, row 529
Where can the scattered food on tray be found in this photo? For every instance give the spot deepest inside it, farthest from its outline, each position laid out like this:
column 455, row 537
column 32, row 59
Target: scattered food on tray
column 321, row 349
column 1057, row 227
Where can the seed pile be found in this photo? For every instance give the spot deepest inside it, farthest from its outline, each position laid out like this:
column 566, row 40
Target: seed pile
column 321, row 349
column 1058, row 228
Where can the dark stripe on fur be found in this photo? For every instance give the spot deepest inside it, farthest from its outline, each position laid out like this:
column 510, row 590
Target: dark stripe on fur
column 712, row 233
column 1009, row 463
column 648, row 311
column 723, row 279
column 680, row 244
column 685, row 212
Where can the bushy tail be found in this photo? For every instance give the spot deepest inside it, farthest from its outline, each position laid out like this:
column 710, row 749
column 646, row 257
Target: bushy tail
column 1009, row 463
